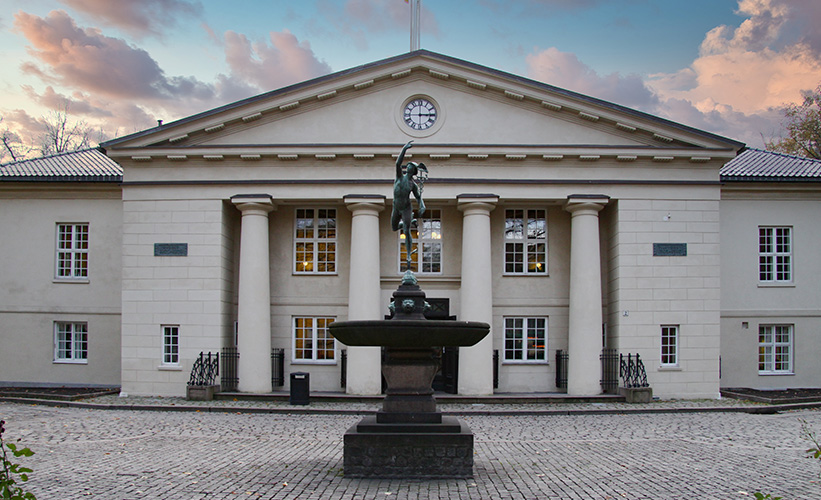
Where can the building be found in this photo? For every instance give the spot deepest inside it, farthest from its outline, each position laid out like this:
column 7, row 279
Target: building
column 568, row 223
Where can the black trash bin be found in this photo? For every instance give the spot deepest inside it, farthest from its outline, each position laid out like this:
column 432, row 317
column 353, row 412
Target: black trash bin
column 300, row 388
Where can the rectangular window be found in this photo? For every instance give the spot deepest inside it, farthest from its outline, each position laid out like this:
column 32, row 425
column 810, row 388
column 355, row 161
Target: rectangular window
column 170, row 345
column 669, row 345
column 775, row 254
column 526, row 241
column 315, row 241
column 71, row 342
column 775, row 349
column 72, row 251
column 313, row 342
column 526, row 340
column 428, row 234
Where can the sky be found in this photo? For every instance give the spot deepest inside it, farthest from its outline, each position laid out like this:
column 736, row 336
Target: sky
column 723, row 66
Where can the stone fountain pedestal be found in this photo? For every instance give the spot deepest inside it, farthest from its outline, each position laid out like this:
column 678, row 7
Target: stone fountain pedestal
column 409, row 437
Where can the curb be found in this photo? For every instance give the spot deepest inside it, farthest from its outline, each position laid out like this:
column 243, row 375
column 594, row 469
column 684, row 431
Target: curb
column 755, row 410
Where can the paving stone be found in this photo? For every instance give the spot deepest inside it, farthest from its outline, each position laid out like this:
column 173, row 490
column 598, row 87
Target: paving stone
column 131, row 454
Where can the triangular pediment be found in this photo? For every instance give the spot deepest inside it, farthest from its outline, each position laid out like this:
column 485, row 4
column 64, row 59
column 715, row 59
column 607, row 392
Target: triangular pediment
column 478, row 109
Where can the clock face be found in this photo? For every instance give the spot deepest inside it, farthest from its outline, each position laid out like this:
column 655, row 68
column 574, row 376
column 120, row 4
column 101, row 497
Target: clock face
column 420, row 114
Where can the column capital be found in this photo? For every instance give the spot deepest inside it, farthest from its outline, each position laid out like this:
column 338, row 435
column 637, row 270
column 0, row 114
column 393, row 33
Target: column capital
column 472, row 202
column 586, row 202
column 358, row 202
column 264, row 202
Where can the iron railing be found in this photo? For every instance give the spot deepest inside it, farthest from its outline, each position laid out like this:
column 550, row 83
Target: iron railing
column 609, row 371
column 496, row 368
column 632, row 372
column 277, row 367
column 343, row 363
column 230, row 361
column 561, row 369
column 206, row 369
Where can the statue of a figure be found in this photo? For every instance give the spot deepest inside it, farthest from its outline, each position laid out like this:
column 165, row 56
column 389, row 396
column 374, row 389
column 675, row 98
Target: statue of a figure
column 405, row 184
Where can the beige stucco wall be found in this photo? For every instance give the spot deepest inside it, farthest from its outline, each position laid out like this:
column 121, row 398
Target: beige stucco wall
column 31, row 300
column 746, row 304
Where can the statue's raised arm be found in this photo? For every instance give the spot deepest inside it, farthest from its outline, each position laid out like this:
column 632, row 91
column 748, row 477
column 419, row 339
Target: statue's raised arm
column 402, row 213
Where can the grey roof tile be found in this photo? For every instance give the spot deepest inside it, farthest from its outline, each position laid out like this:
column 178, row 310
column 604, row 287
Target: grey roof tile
column 768, row 166
column 88, row 165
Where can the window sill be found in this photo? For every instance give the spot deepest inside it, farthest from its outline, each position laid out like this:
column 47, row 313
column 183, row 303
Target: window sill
column 310, row 362
column 525, row 275
column 170, row 368
column 75, row 281
column 770, row 374
column 295, row 273
column 776, row 285
column 522, row 362
column 70, row 361
column 670, row 368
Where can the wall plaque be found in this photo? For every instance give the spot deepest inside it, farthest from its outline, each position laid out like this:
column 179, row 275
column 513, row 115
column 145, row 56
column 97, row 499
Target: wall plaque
column 170, row 249
column 669, row 249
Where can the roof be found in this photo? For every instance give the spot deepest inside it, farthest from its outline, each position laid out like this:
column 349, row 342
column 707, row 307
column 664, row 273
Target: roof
column 757, row 165
column 426, row 54
column 88, row 165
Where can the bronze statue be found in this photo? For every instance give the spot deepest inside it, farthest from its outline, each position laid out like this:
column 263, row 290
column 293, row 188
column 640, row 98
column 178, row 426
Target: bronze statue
column 405, row 184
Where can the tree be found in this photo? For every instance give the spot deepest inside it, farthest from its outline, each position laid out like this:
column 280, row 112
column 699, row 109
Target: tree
column 11, row 146
column 61, row 136
column 803, row 124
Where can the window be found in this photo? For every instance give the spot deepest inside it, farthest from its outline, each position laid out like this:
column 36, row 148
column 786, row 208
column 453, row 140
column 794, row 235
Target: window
column 429, row 235
column 526, row 340
column 170, row 345
column 313, row 343
column 315, row 241
column 775, row 349
column 71, row 342
column 669, row 345
column 775, row 254
column 526, row 242
column 72, row 251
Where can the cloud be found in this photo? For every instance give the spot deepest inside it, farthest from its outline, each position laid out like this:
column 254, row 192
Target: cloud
column 285, row 61
column 138, row 18
column 563, row 69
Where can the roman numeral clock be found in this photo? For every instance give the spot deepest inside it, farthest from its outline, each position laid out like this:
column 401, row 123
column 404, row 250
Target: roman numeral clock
column 420, row 115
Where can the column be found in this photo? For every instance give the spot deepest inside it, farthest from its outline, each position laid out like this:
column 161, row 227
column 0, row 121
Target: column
column 364, row 295
column 585, row 321
column 476, row 362
column 254, row 300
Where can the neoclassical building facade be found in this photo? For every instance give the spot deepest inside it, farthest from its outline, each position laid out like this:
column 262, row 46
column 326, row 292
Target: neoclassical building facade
column 567, row 223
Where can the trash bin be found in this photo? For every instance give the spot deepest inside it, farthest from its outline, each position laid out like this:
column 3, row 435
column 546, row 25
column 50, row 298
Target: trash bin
column 300, row 388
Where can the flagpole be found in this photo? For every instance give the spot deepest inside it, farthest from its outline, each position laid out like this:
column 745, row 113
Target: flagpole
column 416, row 8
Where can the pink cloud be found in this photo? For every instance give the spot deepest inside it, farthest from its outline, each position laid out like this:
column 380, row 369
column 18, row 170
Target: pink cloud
column 139, row 18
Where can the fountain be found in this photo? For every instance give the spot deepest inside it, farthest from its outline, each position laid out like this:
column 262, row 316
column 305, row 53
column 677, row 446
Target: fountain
column 409, row 437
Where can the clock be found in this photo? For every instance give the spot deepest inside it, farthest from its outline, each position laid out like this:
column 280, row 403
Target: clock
column 419, row 114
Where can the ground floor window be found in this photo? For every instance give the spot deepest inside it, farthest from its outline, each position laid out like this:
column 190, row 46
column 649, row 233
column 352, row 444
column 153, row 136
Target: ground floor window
column 313, row 342
column 526, row 340
column 170, row 344
column 775, row 348
column 71, row 342
column 669, row 345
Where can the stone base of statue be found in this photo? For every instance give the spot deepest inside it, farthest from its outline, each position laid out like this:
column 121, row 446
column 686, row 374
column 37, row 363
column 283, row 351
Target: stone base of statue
column 409, row 438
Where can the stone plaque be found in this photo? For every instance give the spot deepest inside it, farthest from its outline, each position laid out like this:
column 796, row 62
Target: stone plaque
column 170, row 249
column 669, row 249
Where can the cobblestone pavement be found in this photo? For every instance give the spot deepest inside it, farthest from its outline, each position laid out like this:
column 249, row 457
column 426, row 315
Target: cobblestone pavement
column 130, row 454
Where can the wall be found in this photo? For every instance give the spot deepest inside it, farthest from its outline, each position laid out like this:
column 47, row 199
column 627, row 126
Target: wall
column 31, row 300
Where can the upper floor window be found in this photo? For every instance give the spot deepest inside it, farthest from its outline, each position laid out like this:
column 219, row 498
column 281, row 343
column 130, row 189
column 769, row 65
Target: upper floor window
column 315, row 241
column 526, row 241
column 428, row 236
column 775, row 254
column 775, row 348
column 669, row 345
column 526, row 340
column 72, row 251
column 313, row 342
column 71, row 342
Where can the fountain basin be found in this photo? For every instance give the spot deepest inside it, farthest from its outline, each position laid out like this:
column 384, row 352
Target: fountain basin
column 409, row 334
